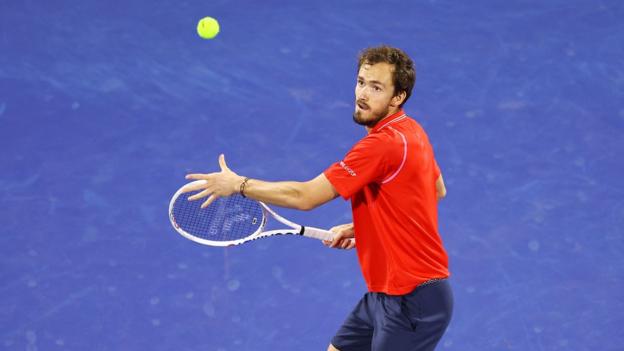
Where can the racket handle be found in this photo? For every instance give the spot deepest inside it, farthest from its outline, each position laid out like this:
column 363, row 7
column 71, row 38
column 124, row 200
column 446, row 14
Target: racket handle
column 318, row 233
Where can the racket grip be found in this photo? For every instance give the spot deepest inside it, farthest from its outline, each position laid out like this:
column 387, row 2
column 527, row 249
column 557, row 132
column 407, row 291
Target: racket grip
column 318, row 233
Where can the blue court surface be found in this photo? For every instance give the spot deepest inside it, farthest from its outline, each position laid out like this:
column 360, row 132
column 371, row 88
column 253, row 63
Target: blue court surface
column 104, row 107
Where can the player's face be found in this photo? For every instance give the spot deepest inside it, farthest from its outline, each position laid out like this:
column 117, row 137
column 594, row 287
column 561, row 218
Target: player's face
column 374, row 94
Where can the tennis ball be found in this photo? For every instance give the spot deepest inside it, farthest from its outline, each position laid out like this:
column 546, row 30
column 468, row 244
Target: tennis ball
column 207, row 27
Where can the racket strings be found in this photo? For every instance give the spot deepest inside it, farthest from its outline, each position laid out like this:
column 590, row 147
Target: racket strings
column 225, row 219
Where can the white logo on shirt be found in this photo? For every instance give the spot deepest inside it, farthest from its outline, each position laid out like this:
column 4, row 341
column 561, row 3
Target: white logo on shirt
column 347, row 168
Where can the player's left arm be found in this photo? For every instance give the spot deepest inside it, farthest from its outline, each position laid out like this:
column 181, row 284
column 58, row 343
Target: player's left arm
column 298, row 195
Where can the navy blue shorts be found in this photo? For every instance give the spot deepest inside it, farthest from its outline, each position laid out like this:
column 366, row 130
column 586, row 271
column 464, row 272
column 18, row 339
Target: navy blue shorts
column 411, row 322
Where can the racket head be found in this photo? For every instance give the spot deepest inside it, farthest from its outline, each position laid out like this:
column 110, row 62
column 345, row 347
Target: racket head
column 227, row 221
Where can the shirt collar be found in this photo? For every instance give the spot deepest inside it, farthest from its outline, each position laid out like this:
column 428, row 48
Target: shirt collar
column 395, row 117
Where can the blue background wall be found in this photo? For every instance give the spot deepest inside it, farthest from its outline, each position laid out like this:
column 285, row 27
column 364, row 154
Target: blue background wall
column 104, row 108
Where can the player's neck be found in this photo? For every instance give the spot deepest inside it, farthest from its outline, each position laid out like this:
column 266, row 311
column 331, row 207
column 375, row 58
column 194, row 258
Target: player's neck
column 390, row 113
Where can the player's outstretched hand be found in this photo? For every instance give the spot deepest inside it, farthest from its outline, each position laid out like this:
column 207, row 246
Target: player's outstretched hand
column 215, row 185
column 344, row 238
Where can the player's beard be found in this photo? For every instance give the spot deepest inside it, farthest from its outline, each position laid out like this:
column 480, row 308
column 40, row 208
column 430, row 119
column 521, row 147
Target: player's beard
column 372, row 121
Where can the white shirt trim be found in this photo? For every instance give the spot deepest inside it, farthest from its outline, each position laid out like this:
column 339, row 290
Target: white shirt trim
column 404, row 153
column 402, row 117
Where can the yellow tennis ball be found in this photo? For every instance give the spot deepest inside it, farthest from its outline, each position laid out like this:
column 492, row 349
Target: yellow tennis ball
column 207, row 27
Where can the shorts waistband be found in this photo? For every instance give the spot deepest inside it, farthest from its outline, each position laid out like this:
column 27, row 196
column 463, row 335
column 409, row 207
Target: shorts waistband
column 431, row 281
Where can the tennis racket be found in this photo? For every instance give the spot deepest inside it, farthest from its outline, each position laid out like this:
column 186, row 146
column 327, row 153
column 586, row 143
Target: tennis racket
column 231, row 220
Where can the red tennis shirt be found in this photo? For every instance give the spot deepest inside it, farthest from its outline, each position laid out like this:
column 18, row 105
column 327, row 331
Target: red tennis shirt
column 390, row 176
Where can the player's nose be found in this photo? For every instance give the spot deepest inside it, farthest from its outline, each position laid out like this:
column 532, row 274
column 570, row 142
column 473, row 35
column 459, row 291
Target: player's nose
column 362, row 95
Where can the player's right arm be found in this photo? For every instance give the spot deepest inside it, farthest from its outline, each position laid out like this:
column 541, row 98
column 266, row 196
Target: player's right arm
column 440, row 188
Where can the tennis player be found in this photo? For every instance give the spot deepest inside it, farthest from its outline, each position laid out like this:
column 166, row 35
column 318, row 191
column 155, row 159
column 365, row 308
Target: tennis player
column 393, row 182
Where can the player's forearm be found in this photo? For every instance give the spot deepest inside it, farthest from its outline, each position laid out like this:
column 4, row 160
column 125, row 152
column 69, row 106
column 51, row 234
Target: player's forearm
column 286, row 194
column 298, row 195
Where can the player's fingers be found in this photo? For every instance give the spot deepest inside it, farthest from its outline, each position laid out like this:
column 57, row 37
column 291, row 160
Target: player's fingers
column 196, row 176
column 344, row 244
column 344, row 233
column 222, row 163
column 194, row 186
column 209, row 201
column 351, row 244
column 337, row 240
column 200, row 176
column 200, row 195
column 327, row 242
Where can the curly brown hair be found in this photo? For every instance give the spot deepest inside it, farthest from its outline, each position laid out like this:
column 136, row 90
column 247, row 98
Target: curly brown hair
column 404, row 74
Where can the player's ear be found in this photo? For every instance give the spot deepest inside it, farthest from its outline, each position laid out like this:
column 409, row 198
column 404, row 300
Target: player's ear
column 398, row 99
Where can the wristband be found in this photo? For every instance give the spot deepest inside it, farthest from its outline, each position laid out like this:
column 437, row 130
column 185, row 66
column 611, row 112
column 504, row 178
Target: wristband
column 242, row 187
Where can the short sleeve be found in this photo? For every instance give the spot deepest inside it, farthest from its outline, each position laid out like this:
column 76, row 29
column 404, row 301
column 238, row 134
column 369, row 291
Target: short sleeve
column 367, row 162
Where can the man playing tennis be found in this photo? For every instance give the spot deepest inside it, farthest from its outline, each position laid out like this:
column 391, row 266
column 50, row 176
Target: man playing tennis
column 394, row 183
